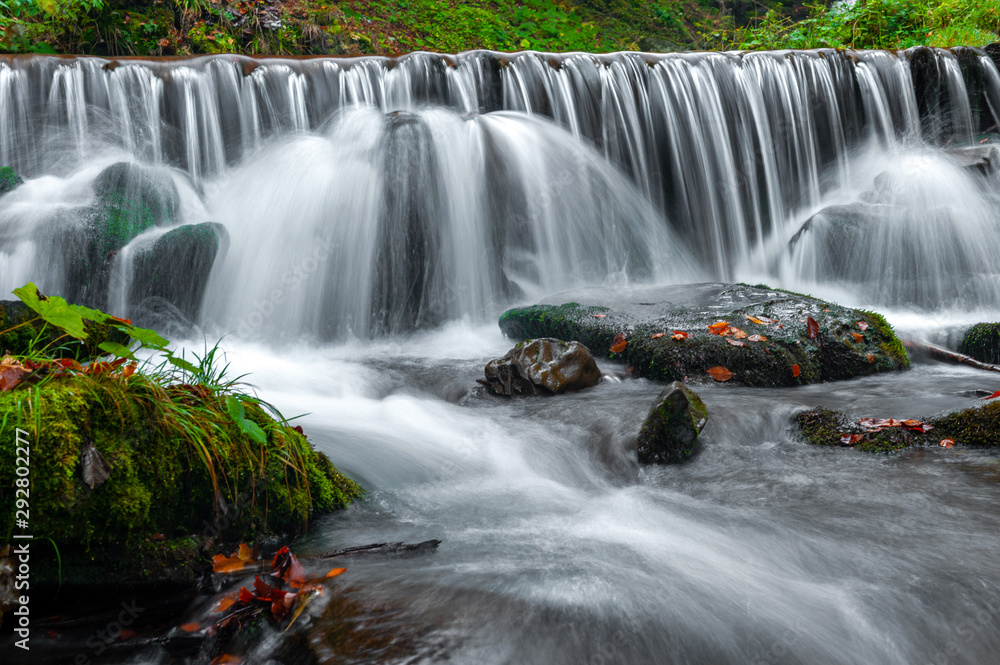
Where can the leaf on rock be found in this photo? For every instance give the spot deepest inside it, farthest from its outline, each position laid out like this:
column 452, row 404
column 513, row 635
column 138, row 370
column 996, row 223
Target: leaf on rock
column 947, row 443
column 94, row 469
column 243, row 557
column 225, row 603
column 658, row 335
column 795, row 370
column 735, row 342
column 736, row 332
column 11, row 373
column 718, row 328
column 598, row 316
column 619, row 344
column 851, row 439
column 812, row 327
column 863, row 325
column 226, row 659
column 192, row 627
column 679, row 335
column 720, row 373
column 757, row 338
column 754, row 319
column 871, row 359
column 858, row 337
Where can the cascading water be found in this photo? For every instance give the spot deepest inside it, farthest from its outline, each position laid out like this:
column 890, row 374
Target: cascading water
column 372, row 216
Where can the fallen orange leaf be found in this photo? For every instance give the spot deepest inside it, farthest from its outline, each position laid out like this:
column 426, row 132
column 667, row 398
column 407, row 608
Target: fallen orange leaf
column 658, row 335
column 812, row 327
column 863, row 325
column 225, row 603
column 795, row 370
column 858, row 337
column 736, row 332
column 754, row 319
column 679, row 335
column 226, row 659
column 947, row 443
column 871, row 358
column 718, row 328
column 598, row 316
column 619, row 343
column 757, row 338
column 994, row 395
column 850, row 439
column 720, row 373
column 192, row 627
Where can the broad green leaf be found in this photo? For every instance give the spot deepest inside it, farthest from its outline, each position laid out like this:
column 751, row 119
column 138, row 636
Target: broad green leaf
column 180, row 363
column 248, row 427
column 115, row 349
column 53, row 310
column 149, row 338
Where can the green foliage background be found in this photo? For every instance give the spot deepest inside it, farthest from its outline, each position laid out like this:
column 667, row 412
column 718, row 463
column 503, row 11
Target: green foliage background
column 356, row 27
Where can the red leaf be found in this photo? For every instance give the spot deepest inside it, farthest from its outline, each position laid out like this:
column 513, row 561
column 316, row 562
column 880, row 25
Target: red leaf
column 812, row 327
column 994, row 395
column 871, row 358
column 298, row 428
column 262, row 589
column 658, row 335
column 718, row 328
column 858, row 337
column 720, row 373
column 245, row 595
column 795, row 370
column 863, row 325
column 679, row 335
column 850, row 439
column 947, row 443
column 619, row 344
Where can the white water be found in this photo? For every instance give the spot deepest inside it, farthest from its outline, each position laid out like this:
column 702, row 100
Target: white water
column 363, row 199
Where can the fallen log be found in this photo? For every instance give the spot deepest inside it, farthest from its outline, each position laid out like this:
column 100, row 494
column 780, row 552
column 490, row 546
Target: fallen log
column 385, row 548
column 945, row 355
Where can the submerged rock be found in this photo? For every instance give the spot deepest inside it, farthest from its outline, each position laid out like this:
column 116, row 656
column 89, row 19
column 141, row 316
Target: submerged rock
column 978, row 426
column 672, row 427
column 9, row 180
column 543, row 366
column 764, row 340
column 177, row 266
column 982, row 342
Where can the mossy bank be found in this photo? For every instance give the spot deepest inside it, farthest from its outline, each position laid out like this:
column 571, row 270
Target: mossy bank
column 183, row 476
column 667, row 337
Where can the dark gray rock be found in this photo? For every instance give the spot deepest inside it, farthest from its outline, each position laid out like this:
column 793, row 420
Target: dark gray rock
column 543, row 366
column 9, row 180
column 177, row 266
column 982, row 342
column 982, row 159
column 671, row 430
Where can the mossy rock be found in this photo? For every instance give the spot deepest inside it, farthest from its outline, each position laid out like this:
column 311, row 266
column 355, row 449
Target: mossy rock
column 37, row 334
column 9, row 180
column 672, row 427
column 975, row 427
column 849, row 342
column 130, row 199
column 177, row 266
column 982, row 342
column 160, row 489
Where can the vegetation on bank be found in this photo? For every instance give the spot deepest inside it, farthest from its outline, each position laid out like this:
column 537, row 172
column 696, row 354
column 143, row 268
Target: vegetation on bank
column 129, row 457
column 360, row 27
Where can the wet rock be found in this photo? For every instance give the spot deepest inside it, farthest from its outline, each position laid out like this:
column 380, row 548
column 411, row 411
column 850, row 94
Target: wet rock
column 975, row 427
column 176, row 267
column 669, row 434
column 982, row 342
column 982, row 159
column 130, row 199
column 543, row 366
column 777, row 351
column 9, row 180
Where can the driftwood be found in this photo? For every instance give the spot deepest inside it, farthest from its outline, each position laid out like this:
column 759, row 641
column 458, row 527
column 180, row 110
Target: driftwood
column 385, row 548
column 946, row 355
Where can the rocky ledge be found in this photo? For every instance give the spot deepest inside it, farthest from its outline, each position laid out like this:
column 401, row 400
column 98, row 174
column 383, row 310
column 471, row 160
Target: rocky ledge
column 750, row 335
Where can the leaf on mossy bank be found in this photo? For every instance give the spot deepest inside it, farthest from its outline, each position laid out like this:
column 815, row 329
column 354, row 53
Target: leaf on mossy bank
column 236, row 411
column 720, row 373
column 94, row 469
column 619, row 344
column 11, row 373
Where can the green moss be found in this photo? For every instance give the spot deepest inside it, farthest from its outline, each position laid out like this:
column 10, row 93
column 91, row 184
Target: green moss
column 892, row 346
column 36, row 335
column 8, row 180
column 975, row 427
column 160, row 445
column 982, row 342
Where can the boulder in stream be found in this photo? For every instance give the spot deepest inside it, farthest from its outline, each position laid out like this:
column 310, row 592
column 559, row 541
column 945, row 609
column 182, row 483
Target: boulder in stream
column 759, row 335
column 982, row 342
column 130, row 199
column 543, row 366
column 672, row 426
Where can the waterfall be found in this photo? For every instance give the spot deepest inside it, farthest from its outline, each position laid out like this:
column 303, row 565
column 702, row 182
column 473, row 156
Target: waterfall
column 372, row 195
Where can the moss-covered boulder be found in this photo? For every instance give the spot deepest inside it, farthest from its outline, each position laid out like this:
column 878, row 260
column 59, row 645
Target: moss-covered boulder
column 978, row 426
column 183, row 473
column 982, row 342
column 766, row 340
column 177, row 266
column 36, row 335
column 9, row 180
column 671, row 430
